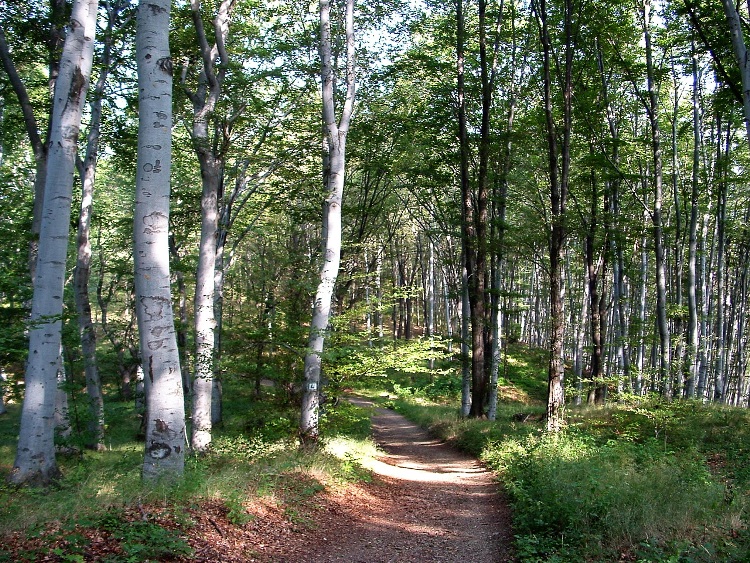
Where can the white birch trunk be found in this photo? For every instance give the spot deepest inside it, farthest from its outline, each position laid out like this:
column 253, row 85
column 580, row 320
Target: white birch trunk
column 164, row 457
column 35, row 458
column 336, row 137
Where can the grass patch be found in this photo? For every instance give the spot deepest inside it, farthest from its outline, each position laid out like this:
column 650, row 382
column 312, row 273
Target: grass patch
column 254, row 454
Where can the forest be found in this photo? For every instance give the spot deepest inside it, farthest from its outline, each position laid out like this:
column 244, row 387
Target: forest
column 522, row 223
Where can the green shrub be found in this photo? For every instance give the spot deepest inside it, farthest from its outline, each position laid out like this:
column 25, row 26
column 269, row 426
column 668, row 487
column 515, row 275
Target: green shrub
column 142, row 540
column 605, row 499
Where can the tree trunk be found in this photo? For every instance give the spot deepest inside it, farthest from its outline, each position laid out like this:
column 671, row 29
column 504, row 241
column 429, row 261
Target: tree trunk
column 693, row 327
column 558, row 156
column 336, row 137
column 720, row 237
column 3, row 379
column 665, row 378
column 82, row 272
column 210, row 154
column 741, row 57
column 164, row 457
column 205, row 321
column 465, row 355
column 35, row 458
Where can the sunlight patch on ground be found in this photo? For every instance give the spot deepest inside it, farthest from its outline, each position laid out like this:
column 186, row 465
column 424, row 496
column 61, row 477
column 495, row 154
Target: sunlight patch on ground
column 512, row 393
column 513, row 361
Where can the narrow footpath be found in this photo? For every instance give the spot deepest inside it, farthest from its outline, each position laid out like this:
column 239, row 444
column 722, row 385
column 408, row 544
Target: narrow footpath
column 427, row 503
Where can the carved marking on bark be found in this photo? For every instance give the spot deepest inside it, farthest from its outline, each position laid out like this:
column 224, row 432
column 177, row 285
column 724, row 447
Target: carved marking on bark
column 156, row 10
column 156, row 344
column 158, row 450
column 155, row 168
column 165, row 64
column 156, row 222
column 153, row 307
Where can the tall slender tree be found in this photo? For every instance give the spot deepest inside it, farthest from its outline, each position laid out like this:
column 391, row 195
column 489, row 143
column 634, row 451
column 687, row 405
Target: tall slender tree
column 335, row 133
column 35, row 459
column 211, row 155
column 558, row 154
column 165, row 409
column 652, row 109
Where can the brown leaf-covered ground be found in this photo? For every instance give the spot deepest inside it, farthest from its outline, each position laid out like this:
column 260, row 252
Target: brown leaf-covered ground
column 425, row 503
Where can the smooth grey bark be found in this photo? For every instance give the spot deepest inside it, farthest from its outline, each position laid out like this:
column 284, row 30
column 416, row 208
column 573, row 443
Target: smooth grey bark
column 620, row 333
column 706, row 257
column 465, row 355
column 693, row 326
column 447, row 308
column 379, row 295
column 35, row 458
column 678, row 322
column 335, row 134
column 497, row 323
column 39, row 145
column 430, row 317
column 652, row 108
column 82, row 272
column 182, row 312
column 3, row 379
column 642, row 305
column 720, row 349
column 211, row 158
column 164, row 457
column 558, row 156
column 466, row 200
column 741, row 56
column 62, row 412
column 579, row 338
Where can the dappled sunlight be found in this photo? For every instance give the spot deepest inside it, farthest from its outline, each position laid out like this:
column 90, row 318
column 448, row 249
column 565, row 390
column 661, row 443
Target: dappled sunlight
column 427, row 502
column 406, row 470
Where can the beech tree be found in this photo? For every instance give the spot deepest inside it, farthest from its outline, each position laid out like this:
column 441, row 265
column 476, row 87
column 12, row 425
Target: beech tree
column 165, row 409
column 558, row 147
column 35, row 459
column 334, row 168
column 211, row 156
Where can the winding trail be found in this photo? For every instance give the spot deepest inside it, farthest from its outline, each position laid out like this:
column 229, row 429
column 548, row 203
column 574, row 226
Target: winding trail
column 427, row 503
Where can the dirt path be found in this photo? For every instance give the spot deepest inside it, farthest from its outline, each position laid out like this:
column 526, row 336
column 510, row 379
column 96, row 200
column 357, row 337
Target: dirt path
column 427, row 503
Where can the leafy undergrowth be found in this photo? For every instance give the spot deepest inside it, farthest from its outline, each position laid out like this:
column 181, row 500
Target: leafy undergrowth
column 639, row 480
column 253, row 486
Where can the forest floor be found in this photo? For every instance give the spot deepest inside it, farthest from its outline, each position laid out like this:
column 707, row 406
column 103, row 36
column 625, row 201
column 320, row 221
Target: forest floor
column 425, row 502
